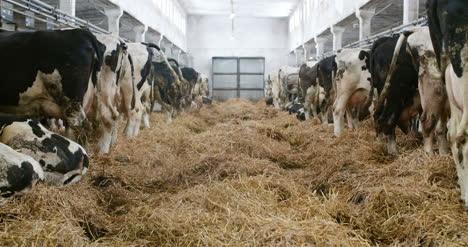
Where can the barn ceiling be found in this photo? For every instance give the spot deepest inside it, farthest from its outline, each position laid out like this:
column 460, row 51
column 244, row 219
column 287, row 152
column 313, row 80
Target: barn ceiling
column 250, row 8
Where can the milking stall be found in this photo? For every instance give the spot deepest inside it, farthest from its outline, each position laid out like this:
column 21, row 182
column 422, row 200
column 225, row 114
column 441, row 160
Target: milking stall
column 234, row 123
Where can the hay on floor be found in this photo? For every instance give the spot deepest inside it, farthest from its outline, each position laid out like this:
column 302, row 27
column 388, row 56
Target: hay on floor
column 242, row 174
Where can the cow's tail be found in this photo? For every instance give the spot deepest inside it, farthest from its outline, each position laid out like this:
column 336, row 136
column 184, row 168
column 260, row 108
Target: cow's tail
column 391, row 70
column 435, row 31
column 365, row 55
column 132, row 68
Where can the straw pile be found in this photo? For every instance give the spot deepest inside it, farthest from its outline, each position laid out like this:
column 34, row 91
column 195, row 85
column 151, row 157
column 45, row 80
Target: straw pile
column 241, row 174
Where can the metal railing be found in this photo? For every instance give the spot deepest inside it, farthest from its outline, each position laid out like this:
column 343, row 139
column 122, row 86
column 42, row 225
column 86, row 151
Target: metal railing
column 365, row 43
column 52, row 15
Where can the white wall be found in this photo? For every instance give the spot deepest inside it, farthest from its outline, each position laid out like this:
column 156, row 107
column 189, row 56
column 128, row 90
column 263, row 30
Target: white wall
column 147, row 12
column 315, row 16
column 210, row 36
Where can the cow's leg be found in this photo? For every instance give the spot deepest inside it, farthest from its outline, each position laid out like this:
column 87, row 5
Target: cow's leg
column 308, row 105
column 441, row 133
column 349, row 118
column 459, row 149
column 339, row 109
column 106, row 125
column 462, row 132
column 146, row 120
column 115, row 129
column 428, row 122
column 354, row 118
column 391, row 143
column 132, row 118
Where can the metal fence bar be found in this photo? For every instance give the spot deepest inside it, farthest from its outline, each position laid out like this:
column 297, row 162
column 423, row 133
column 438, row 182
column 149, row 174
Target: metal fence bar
column 369, row 41
column 48, row 11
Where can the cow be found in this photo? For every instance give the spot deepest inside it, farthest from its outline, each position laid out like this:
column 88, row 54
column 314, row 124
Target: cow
column 326, row 71
column 135, row 85
column 396, row 80
column 434, row 101
column 296, row 108
column 167, row 86
column 204, row 85
column 287, row 78
column 102, row 100
column 19, row 173
column 448, row 25
column 352, row 85
column 268, row 87
column 309, row 88
column 46, row 74
column 190, row 75
column 201, row 89
column 276, row 88
column 63, row 161
column 269, row 101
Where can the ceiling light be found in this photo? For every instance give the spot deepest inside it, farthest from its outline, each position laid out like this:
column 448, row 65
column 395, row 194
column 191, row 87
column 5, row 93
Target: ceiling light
column 232, row 15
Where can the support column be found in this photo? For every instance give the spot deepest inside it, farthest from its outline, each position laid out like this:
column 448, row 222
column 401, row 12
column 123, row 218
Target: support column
column 190, row 60
column 337, row 32
column 140, row 32
column 410, row 11
column 308, row 47
column 67, row 6
column 365, row 19
column 113, row 20
column 152, row 37
column 320, row 45
column 167, row 46
column 299, row 56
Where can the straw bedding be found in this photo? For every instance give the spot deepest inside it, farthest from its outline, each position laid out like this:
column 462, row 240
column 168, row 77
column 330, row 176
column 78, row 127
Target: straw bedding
column 242, row 174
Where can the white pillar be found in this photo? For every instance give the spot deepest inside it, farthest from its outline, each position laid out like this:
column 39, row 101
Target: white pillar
column 190, row 60
column 168, row 49
column 337, row 32
column 140, row 32
column 308, row 50
column 175, row 52
column 365, row 19
column 300, row 56
column 320, row 45
column 113, row 20
column 67, row 6
column 152, row 37
column 410, row 11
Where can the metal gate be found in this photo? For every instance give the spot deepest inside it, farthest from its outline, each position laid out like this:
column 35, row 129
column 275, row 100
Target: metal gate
column 238, row 77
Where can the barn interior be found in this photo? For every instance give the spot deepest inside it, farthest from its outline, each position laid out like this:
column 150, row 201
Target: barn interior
column 238, row 172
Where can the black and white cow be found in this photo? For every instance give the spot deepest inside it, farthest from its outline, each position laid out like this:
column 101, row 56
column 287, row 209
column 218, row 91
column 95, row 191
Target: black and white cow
column 448, row 24
column 352, row 85
column 166, row 88
column 287, row 78
column 137, row 85
column 46, row 73
column 18, row 172
column 102, row 100
column 63, row 161
column 396, row 80
column 309, row 88
column 326, row 71
column 434, row 101
column 297, row 109
column 191, row 76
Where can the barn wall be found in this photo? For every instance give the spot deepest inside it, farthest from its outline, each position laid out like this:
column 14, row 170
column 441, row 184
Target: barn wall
column 210, row 36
